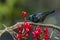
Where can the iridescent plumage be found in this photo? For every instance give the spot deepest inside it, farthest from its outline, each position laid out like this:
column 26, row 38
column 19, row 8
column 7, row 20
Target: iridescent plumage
column 39, row 17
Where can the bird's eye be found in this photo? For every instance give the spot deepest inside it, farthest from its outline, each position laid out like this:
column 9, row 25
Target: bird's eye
column 2, row 1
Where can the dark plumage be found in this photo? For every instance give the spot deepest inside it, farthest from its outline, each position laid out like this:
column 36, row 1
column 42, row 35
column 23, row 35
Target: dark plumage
column 39, row 17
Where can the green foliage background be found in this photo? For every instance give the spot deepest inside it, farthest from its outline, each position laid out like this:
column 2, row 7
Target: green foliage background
column 10, row 12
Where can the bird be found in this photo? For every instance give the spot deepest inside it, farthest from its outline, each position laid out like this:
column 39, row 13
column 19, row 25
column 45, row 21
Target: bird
column 39, row 17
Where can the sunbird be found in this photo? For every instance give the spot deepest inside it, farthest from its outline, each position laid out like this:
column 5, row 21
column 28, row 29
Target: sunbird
column 39, row 17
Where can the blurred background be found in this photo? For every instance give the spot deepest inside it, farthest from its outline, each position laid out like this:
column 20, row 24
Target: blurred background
column 10, row 10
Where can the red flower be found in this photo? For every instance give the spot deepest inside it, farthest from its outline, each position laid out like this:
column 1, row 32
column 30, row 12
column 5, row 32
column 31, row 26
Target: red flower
column 36, row 32
column 34, row 35
column 46, row 30
column 23, row 13
column 25, row 24
column 29, row 26
column 18, row 36
column 26, row 30
column 19, row 28
column 38, row 29
column 46, row 37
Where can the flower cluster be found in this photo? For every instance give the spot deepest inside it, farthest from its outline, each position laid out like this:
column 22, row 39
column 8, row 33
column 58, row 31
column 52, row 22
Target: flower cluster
column 25, row 28
column 36, row 32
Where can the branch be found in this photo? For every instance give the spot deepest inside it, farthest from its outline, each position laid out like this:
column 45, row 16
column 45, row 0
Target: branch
column 11, row 28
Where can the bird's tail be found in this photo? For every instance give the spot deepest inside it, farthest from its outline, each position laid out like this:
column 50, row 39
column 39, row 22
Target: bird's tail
column 45, row 14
